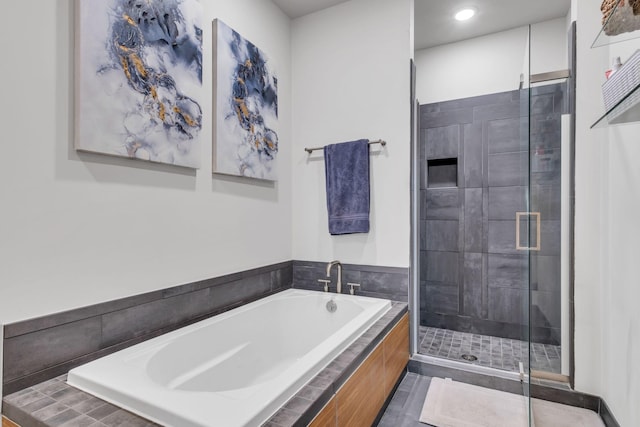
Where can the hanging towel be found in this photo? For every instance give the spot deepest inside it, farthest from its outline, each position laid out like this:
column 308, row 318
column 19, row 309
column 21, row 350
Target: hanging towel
column 347, row 175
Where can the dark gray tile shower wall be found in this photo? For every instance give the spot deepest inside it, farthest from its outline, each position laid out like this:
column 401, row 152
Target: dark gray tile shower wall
column 472, row 277
column 40, row 349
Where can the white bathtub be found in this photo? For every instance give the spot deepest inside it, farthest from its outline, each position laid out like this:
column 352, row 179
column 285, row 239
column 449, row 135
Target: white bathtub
column 234, row 369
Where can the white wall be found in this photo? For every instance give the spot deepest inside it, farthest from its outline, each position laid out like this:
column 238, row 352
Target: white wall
column 607, row 232
column 351, row 81
column 549, row 46
column 590, row 176
column 489, row 64
column 78, row 230
column 621, row 286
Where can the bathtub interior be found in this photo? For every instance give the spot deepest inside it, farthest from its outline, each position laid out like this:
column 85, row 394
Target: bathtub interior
column 241, row 350
column 281, row 343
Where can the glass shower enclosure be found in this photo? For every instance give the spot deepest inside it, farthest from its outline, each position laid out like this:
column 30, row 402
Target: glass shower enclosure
column 487, row 226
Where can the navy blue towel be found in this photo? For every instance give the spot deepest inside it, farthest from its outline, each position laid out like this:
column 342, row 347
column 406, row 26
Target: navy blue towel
column 347, row 174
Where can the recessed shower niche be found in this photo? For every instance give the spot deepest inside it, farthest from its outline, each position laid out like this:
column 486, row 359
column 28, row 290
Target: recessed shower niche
column 442, row 173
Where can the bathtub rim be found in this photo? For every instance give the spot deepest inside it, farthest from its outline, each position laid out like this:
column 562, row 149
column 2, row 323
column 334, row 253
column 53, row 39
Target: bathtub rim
column 146, row 397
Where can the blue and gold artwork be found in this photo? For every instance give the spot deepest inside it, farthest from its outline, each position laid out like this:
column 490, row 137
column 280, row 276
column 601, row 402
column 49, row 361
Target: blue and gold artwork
column 246, row 102
column 140, row 79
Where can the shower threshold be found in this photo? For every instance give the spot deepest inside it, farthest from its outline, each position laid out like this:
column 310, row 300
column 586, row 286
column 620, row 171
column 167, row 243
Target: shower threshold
column 484, row 350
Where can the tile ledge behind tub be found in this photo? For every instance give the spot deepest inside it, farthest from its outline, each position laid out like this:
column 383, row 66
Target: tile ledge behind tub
column 54, row 402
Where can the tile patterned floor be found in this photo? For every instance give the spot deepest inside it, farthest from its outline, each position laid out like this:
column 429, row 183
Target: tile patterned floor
column 494, row 352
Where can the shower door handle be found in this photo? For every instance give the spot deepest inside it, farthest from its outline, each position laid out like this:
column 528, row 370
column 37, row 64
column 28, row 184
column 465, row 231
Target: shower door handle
column 519, row 216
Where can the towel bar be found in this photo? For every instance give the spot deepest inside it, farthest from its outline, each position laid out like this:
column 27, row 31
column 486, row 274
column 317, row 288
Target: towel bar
column 311, row 150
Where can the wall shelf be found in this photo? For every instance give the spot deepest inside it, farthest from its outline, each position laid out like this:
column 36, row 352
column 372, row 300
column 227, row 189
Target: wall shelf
column 621, row 17
column 625, row 111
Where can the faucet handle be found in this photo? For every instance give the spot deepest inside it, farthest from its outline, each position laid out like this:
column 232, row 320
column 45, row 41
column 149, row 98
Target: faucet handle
column 326, row 284
column 352, row 287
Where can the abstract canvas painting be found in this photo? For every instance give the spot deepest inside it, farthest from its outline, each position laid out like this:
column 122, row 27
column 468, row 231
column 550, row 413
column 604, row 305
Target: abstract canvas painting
column 139, row 65
column 246, row 108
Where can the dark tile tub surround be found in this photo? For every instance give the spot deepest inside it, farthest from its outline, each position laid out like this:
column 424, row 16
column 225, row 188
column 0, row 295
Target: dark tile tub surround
column 54, row 402
column 472, row 278
column 375, row 281
column 43, row 348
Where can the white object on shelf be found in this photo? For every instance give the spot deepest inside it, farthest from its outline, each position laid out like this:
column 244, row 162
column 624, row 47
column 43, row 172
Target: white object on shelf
column 623, row 81
column 614, row 67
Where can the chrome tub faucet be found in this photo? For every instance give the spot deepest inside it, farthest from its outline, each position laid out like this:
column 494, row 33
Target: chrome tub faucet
column 339, row 264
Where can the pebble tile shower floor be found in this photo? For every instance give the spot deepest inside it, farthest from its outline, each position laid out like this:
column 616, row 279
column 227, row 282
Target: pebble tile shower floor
column 494, row 352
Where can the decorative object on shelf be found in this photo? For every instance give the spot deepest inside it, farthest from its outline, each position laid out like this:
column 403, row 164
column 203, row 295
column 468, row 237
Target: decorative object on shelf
column 621, row 93
column 139, row 65
column 246, row 107
column 620, row 16
column 615, row 66
column 606, row 8
column 623, row 81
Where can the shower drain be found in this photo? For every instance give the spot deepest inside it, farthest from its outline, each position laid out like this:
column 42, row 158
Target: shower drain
column 469, row 357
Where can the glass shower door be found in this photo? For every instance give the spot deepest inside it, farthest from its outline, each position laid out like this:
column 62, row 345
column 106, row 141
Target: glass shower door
column 527, row 229
column 549, row 225
column 546, row 225
column 473, row 226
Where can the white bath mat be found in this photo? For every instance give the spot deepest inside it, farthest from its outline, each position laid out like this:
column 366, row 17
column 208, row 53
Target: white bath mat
column 454, row 404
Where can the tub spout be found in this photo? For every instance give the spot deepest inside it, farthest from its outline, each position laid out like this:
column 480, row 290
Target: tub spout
column 339, row 284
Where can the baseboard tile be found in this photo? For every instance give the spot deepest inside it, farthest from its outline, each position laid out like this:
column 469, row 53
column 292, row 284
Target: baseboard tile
column 606, row 415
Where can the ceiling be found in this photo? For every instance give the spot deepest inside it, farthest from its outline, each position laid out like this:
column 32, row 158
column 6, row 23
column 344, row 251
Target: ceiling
column 297, row 8
column 434, row 23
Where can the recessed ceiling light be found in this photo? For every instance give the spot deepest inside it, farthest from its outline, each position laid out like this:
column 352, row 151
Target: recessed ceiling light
column 465, row 14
